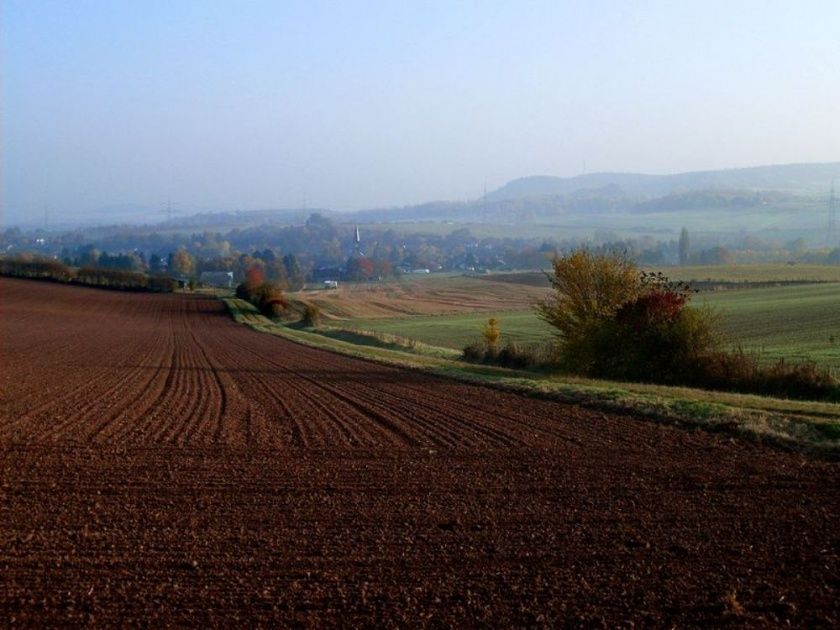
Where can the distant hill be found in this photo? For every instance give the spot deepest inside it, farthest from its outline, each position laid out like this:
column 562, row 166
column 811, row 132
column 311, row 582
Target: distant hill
column 798, row 178
column 547, row 199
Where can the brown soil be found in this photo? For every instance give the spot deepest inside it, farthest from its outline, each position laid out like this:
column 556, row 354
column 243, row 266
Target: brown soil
column 162, row 465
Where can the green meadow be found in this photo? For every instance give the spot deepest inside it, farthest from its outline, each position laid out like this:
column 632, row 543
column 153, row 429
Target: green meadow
column 794, row 322
column 456, row 331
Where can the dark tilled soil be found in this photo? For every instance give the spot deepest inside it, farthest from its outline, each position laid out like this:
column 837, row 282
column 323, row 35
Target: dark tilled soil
column 162, row 465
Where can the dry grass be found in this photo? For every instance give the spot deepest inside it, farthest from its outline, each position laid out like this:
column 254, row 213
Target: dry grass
column 415, row 295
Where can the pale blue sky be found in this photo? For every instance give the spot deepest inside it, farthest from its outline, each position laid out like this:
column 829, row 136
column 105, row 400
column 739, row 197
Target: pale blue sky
column 254, row 104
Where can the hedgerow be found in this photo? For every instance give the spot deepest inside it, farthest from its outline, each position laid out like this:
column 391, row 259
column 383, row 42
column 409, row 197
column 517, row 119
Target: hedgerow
column 56, row 271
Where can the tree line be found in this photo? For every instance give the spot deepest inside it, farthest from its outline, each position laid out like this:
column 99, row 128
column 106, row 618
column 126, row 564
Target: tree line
column 322, row 249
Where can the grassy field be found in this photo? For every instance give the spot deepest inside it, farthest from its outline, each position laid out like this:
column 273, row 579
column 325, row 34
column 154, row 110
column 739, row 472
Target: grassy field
column 755, row 273
column 795, row 322
column 790, row 322
column 456, row 331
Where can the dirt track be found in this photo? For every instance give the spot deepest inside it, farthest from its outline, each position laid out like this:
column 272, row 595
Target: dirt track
column 160, row 464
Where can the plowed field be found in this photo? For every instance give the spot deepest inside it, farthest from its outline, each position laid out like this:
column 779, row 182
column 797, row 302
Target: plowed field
column 162, row 465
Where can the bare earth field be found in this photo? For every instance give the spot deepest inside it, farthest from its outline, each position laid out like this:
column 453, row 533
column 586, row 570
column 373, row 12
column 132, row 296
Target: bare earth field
column 162, row 465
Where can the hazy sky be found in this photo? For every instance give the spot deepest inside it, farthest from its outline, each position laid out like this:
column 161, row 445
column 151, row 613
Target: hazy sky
column 237, row 104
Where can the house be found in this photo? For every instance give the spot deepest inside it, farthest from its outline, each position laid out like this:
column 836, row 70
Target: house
column 218, row 279
column 330, row 284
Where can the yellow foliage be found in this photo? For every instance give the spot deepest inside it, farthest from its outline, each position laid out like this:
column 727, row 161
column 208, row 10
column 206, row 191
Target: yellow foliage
column 183, row 263
column 587, row 289
column 491, row 333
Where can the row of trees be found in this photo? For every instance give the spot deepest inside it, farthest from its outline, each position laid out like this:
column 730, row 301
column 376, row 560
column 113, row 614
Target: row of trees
column 178, row 262
column 319, row 243
column 290, row 255
column 753, row 250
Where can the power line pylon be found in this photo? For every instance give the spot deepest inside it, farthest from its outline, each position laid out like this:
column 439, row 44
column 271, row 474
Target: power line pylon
column 169, row 210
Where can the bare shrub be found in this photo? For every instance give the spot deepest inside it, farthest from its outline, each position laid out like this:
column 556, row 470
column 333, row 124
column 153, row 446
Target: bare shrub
column 740, row 371
column 475, row 352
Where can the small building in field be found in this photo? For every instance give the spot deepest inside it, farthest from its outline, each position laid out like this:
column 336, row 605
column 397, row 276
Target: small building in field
column 330, row 284
column 217, row 279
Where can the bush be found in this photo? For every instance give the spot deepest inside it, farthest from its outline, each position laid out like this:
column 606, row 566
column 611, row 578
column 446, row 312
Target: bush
column 615, row 321
column 311, row 316
column 163, row 284
column 656, row 337
column 248, row 289
column 512, row 355
column 739, row 371
column 266, row 296
column 475, row 352
column 527, row 357
column 799, row 380
column 271, row 300
column 588, row 289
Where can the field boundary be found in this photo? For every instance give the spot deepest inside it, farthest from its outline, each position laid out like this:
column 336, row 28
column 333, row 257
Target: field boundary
column 794, row 425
